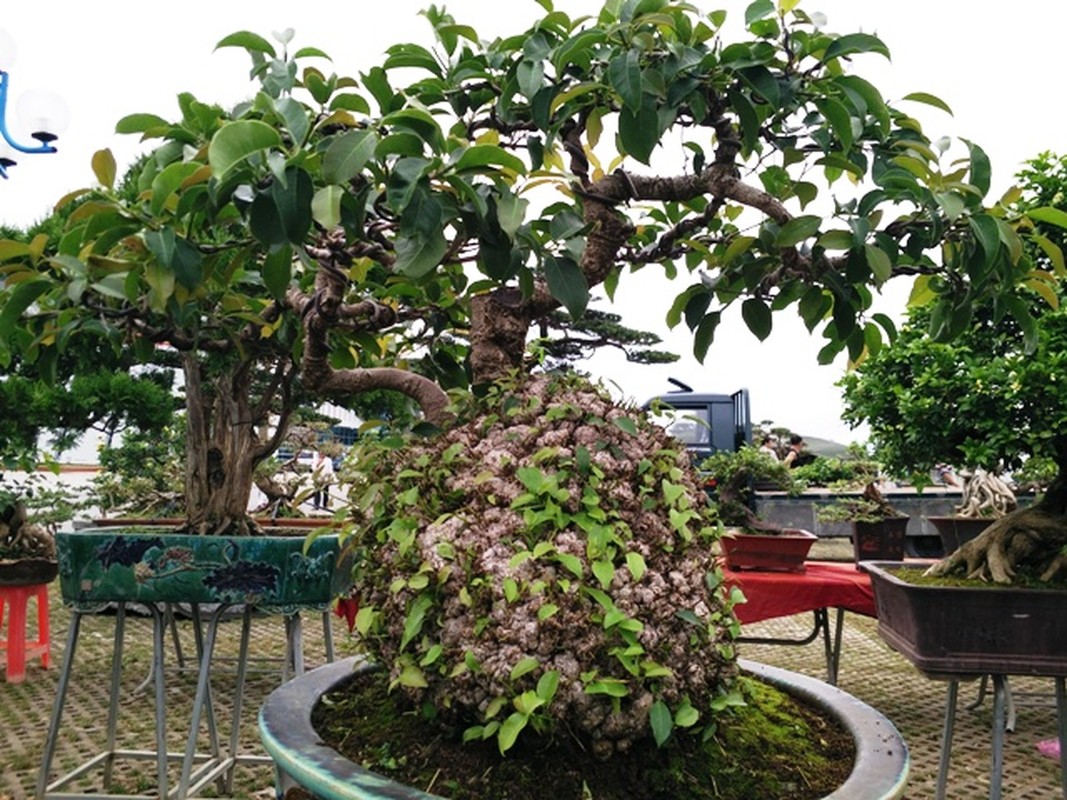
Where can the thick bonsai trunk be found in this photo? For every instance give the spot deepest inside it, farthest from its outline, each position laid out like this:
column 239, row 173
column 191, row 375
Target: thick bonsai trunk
column 1032, row 538
column 221, row 450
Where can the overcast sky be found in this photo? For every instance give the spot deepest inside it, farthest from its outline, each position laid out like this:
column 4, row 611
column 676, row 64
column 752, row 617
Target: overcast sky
column 998, row 66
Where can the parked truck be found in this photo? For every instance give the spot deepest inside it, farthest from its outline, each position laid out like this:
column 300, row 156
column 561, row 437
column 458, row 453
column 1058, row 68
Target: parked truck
column 706, row 423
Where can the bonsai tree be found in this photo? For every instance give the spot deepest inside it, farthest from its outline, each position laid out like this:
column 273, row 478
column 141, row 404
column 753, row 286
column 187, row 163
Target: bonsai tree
column 19, row 537
column 734, row 476
column 329, row 228
column 993, row 397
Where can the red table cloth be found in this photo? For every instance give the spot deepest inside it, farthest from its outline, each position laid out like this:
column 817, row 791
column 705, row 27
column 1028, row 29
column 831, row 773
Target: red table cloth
column 783, row 594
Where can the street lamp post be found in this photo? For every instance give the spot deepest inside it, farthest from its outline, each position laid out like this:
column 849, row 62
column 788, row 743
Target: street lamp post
column 41, row 112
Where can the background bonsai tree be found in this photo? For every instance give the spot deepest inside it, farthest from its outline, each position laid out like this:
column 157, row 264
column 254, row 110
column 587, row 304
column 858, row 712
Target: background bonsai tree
column 992, row 395
column 322, row 230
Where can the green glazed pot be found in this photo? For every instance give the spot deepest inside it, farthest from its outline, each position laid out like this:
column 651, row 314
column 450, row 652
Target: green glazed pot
column 150, row 565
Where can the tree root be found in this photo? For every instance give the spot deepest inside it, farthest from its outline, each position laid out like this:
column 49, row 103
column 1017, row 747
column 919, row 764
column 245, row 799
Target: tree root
column 1030, row 539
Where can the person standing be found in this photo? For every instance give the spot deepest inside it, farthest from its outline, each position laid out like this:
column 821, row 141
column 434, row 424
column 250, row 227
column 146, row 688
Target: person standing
column 768, row 447
column 796, row 445
column 321, row 478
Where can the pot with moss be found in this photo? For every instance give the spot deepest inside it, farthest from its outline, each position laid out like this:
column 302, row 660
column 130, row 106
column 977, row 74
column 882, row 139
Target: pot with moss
column 544, row 568
column 878, row 530
column 295, row 720
column 27, row 549
column 751, row 542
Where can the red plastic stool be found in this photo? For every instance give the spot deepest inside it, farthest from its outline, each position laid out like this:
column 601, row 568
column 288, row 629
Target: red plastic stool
column 17, row 647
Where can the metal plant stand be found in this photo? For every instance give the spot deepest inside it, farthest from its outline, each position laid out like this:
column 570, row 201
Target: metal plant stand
column 199, row 769
column 1001, row 700
column 210, row 577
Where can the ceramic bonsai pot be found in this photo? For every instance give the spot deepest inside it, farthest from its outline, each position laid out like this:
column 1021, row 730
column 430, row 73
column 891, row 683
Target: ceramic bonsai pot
column 781, row 551
column 954, row 631
column 957, row 531
column 879, row 773
column 151, row 565
column 882, row 540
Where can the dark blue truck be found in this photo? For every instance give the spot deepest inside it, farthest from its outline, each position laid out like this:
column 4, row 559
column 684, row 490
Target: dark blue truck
column 706, row 423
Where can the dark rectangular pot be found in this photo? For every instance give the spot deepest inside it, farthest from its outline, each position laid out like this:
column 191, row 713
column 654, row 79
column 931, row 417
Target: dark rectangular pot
column 879, row 541
column 953, row 631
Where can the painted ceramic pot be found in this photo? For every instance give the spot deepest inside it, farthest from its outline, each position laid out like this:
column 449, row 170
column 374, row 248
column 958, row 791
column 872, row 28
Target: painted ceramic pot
column 150, row 565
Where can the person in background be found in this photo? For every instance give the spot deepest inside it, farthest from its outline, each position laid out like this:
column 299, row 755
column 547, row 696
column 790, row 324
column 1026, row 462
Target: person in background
column 321, row 478
column 796, row 445
column 769, row 447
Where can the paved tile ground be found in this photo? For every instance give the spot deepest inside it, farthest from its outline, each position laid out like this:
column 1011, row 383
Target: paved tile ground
column 869, row 670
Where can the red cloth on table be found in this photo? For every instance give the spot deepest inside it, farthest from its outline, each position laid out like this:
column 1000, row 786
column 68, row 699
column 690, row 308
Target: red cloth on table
column 783, row 594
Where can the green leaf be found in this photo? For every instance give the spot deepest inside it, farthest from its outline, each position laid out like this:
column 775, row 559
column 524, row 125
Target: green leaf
column 626, row 425
column 704, row 335
column 879, row 262
column 757, row 316
column 624, row 75
column 686, row 716
column 168, row 181
column 21, row 297
column 176, row 254
column 414, row 620
column 639, row 131
column 760, row 9
column 510, row 212
column 635, row 562
column 930, row 100
column 567, row 283
column 419, row 255
column 852, row 43
column 510, row 731
column 981, row 168
column 236, row 141
column 278, row 271
column 547, row 685
column 571, row 563
column 837, row 114
column 987, row 232
column 252, row 42
column 797, row 230
column 140, row 123
column 605, row 572
column 413, row 677
column 326, row 206
column 481, row 156
column 1053, row 216
column 347, row 155
column 525, row 665
column 662, row 723
column 104, row 167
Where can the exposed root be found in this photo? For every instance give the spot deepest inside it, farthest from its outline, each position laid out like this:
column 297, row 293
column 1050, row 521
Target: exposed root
column 1029, row 537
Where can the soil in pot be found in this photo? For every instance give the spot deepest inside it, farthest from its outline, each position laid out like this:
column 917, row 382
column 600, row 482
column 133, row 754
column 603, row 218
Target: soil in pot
column 774, row 747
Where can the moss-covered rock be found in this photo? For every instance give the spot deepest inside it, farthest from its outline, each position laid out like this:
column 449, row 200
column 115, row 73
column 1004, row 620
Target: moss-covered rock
column 547, row 561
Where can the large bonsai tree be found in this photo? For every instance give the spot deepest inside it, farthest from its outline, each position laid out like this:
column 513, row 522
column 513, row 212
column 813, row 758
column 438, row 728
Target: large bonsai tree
column 993, row 395
column 450, row 200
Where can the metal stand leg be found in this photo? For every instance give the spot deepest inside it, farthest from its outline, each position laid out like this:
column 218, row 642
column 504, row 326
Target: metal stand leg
column 116, row 687
column 57, row 707
column 1061, row 716
column 946, row 738
column 327, row 635
column 997, row 767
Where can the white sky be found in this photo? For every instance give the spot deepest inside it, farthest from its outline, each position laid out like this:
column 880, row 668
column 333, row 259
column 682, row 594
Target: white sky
column 998, row 66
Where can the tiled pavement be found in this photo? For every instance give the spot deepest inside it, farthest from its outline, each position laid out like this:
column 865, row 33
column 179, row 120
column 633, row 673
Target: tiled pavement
column 869, row 670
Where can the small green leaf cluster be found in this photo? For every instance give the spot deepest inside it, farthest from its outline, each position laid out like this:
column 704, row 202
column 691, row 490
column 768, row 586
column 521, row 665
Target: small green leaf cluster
column 548, row 562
